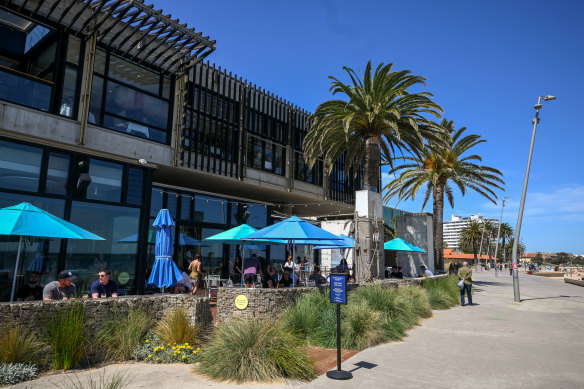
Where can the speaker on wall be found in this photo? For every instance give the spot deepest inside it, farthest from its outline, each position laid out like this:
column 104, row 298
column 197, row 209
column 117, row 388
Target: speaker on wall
column 83, row 181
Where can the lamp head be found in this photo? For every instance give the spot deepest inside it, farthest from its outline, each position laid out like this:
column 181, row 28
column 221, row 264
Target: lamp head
column 548, row 98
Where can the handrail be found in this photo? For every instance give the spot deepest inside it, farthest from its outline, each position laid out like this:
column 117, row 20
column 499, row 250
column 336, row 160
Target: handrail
column 26, row 75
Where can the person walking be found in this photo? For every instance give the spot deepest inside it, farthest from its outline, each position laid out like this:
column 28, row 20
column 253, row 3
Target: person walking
column 465, row 274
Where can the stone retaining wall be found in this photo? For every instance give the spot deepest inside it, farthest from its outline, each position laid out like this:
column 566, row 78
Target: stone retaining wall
column 36, row 315
column 574, row 282
column 270, row 303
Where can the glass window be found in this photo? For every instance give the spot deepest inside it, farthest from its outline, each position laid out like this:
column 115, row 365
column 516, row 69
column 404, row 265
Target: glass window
column 172, row 203
column 210, row 209
column 57, row 174
column 118, row 252
column 166, row 87
column 37, row 254
column 258, row 215
column 95, row 105
column 134, row 75
column 20, row 166
column 136, row 106
column 21, row 90
column 99, row 63
column 234, row 210
column 268, row 158
column 185, row 207
column 155, row 202
column 135, row 185
column 73, row 50
column 69, row 92
column 212, row 252
column 278, row 162
column 106, row 181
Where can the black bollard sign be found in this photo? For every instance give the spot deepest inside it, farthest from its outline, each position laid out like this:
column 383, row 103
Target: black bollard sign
column 339, row 296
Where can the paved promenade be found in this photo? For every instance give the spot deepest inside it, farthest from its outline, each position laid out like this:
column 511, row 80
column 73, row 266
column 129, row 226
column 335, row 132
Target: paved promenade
column 538, row 343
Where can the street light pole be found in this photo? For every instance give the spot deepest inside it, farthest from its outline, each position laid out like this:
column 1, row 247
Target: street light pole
column 499, row 229
column 481, row 247
column 516, row 296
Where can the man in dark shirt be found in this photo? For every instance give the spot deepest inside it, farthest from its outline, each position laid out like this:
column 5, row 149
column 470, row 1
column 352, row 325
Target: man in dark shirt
column 317, row 277
column 270, row 278
column 104, row 287
column 32, row 290
column 396, row 273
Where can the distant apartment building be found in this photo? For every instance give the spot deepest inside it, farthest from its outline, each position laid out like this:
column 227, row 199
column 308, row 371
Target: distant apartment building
column 453, row 228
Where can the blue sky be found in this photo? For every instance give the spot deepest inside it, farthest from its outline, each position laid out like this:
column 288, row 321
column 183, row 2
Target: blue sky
column 485, row 62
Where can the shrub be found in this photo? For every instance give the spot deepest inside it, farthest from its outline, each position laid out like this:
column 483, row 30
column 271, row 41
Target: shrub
column 313, row 317
column 153, row 350
column 443, row 293
column 255, row 350
column 67, row 336
column 361, row 327
column 412, row 303
column 13, row 373
column 176, row 328
column 20, row 346
column 122, row 333
column 117, row 380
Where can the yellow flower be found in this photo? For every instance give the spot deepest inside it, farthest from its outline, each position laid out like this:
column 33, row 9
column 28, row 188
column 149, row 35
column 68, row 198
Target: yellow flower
column 184, row 356
column 150, row 356
column 186, row 344
column 162, row 348
column 147, row 341
column 157, row 359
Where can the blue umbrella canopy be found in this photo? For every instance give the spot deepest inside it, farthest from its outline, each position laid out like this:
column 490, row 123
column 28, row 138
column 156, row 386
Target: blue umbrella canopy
column 293, row 229
column 238, row 235
column 345, row 243
column 183, row 239
column 25, row 219
column 399, row 244
column 164, row 272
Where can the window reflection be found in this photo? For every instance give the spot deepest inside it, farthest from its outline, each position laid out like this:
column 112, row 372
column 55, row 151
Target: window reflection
column 210, row 209
column 106, row 181
column 57, row 174
column 118, row 253
column 20, row 166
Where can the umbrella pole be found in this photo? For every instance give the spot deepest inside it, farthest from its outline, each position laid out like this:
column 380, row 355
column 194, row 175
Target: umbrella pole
column 16, row 270
column 242, row 263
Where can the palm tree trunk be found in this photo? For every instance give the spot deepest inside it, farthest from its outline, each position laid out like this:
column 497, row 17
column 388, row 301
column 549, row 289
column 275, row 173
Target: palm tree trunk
column 372, row 157
column 474, row 250
column 437, row 218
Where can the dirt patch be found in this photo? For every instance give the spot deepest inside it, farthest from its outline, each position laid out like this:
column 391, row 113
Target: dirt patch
column 326, row 358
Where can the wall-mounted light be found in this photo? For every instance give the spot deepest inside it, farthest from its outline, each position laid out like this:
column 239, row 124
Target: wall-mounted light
column 142, row 161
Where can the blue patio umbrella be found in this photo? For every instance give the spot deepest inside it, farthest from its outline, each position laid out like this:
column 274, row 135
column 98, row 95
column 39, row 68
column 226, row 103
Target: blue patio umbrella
column 183, row 239
column 164, row 272
column 293, row 229
column 238, row 235
column 399, row 244
column 25, row 219
column 345, row 243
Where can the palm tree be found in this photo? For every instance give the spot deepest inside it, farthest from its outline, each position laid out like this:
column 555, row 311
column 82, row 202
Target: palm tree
column 436, row 167
column 379, row 116
column 506, row 234
column 509, row 248
column 471, row 237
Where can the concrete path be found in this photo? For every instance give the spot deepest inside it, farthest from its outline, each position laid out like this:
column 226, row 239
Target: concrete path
column 538, row 343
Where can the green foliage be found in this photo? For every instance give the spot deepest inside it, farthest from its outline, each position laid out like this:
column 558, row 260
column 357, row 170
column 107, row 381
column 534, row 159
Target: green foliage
column 443, row 293
column 122, row 333
column 117, row 380
column 67, row 336
column 13, row 373
column 20, row 346
column 175, row 327
column 360, row 327
column 152, row 350
column 254, row 350
column 412, row 304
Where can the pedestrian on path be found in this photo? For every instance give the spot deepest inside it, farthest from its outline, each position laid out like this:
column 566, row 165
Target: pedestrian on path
column 465, row 274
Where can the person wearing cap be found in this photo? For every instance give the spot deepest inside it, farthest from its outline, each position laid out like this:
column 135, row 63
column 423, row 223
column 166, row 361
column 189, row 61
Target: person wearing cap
column 426, row 272
column 104, row 287
column 62, row 289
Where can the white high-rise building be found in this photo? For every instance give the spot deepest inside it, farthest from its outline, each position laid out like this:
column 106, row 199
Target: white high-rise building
column 456, row 224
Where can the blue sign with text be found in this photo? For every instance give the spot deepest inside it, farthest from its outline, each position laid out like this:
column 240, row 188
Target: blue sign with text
column 338, row 288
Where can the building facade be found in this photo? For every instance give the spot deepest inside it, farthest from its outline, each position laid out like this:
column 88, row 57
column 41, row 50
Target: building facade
column 109, row 114
column 456, row 224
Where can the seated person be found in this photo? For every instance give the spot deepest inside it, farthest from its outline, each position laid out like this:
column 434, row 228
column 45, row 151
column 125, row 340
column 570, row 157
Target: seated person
column 184, row 285
column 32, row 290
column 396, row 273
column 425, row 272
column 62, row 289
column 317, row 277
column 104, row 287
column 285, row 281
column 251, row 268
column 270, row 278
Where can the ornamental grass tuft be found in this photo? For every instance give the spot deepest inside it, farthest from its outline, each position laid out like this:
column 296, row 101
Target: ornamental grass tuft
column 360, row 327
column 122, row 333
column 255, row 350
column 18, row 345
column 67, row 336
column 443, row 293
column 115, row 380
column 175, row 328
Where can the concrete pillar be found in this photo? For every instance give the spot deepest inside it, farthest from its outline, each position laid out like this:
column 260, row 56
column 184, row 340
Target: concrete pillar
column 368, row 236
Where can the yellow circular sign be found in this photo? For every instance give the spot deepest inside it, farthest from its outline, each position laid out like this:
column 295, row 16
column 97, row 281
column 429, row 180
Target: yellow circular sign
column 123, row 278
column 241, row 302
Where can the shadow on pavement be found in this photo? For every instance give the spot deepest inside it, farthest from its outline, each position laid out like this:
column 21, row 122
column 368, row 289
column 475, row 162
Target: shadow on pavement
column 488, row 283
column 363, row 365
column 552, row 297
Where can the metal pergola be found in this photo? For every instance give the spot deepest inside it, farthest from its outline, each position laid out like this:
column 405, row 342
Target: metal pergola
column 128, row 27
